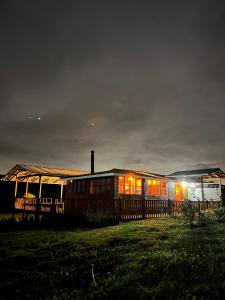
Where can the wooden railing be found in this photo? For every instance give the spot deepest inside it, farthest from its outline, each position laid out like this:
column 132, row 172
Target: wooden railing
column 131, row 209
column 141, row 209
column 40, row 205
column 121, row 209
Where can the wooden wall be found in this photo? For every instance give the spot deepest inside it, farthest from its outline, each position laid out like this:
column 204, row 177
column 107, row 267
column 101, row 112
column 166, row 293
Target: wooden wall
column 86, row 203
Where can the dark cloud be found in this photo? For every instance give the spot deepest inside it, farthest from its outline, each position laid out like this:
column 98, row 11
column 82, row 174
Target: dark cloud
column 149, row 74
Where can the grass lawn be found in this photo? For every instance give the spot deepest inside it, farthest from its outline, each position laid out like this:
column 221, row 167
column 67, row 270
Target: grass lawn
column 149, row 259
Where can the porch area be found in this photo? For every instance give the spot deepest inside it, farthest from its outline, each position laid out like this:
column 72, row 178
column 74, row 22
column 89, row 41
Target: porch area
column 39, row 189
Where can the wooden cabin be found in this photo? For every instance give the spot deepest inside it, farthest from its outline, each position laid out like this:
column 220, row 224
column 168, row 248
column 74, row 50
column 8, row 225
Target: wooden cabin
column 137, row 194
column 100, row 188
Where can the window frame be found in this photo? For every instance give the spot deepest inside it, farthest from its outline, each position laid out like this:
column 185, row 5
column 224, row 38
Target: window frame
column 127, row 185
column 156, row 188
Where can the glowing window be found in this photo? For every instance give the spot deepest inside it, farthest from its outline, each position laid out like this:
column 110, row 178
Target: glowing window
column 163, row 190
column 156, row 188
column 138, row 187
column 121, row 185
column 129, row 185
column 178, row 192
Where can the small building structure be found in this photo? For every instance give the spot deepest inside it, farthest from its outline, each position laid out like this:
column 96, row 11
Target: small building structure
column 197, row 185
column 142, row 194
column 31, row 182
column 84, row 190
column 117, row 191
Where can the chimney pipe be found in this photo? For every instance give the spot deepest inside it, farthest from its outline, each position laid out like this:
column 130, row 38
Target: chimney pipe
column 92, row 162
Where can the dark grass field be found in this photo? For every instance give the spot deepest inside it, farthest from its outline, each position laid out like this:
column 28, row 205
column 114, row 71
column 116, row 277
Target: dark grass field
column 151, row 259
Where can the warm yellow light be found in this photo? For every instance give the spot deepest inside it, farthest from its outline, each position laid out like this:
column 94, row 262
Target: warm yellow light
column 131, row 178
column 149, row 182
column 184, row 184
column 154, row 182
column 138, row 182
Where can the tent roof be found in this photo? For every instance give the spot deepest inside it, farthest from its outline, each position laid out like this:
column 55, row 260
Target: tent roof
column 32, row 173
column 211, row 172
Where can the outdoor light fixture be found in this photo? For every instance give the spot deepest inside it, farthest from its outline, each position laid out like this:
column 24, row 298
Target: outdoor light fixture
column 184, row 184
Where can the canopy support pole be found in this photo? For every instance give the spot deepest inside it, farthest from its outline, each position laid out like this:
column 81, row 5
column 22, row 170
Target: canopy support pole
column 27, row 187
column 220, row 188
column 61, row 192
column 40, row 187
column 202, row 188
column 16, row 186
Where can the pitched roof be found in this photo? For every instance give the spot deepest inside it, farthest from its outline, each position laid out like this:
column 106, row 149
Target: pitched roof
column 51, row 175
column 114, row 171
column 212, row 172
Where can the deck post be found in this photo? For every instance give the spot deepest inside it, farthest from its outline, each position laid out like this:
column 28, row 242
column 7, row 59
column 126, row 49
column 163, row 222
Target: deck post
column 118, row 208
column 37, row 208
column 203, row 196
column 167, row 189
column 53, row 207
column 16, row 186
column 143, row 208
column 27, row 183
column 220, row 189
column 40, row 186
column 115, row 185
column 61, row 191
column 38, row 199
column 15, row 194
column 169, row 207
column 202, row 188
column 143, row 199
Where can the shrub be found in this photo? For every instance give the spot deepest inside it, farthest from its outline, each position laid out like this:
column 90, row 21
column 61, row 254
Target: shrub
column 188, row 213
column 220, row 214
column 191, row 215
column 207, row 216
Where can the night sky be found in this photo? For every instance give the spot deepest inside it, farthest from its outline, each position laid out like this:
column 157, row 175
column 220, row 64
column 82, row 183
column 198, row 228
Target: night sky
column 149, row 74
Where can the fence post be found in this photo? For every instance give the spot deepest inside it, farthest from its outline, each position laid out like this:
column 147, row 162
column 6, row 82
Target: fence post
column 118, row 208
column 222, row 202
column 37, row 208
column 23, row 208
column 14, row 208
column 169, row 207
column 143, row 208
column 53, row 207
column 199, row 208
